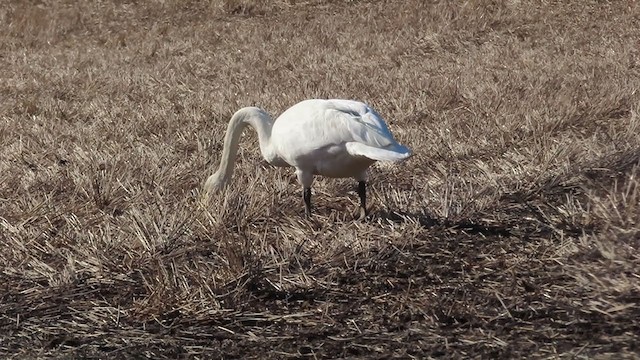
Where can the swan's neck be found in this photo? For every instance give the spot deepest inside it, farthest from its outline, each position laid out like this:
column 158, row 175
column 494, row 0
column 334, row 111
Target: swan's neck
column 257, row 119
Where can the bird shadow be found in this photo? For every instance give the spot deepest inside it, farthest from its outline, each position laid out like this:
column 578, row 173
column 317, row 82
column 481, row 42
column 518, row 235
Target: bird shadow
column 469, row 226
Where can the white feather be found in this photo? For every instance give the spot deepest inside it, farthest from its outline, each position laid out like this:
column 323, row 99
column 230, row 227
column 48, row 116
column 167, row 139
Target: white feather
column 333, row 138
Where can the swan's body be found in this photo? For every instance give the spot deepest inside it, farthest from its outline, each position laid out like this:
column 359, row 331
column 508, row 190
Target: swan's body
column 333, row 138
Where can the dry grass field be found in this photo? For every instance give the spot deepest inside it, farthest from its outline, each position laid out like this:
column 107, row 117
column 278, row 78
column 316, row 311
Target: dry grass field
column 513, row 232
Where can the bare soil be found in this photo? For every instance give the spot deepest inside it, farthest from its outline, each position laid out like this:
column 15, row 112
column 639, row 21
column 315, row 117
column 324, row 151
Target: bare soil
column 514, row 231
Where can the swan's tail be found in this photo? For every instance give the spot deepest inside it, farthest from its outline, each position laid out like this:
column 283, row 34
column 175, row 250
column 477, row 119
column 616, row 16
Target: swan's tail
column 392, row 153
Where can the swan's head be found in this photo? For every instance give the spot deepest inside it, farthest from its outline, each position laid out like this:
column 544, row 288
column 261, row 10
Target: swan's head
column 215, row 182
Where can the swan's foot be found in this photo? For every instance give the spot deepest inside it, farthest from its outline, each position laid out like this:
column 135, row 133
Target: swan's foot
column 361, row 215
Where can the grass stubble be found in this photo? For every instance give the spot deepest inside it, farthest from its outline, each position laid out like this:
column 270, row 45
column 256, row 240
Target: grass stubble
column 513, row 232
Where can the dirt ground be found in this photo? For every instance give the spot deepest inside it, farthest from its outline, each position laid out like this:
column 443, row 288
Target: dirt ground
column 513, row 232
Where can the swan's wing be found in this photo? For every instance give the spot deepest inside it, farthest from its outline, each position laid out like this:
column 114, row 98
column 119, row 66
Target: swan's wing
column 396, row 153
column 363, row 123
column 313, row 126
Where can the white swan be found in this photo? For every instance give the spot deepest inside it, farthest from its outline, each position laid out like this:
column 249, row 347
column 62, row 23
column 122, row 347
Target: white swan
column 333, row 138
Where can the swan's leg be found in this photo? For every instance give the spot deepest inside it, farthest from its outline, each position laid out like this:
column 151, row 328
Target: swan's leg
column 306, row 179
column 307, row 201
column 362, row 192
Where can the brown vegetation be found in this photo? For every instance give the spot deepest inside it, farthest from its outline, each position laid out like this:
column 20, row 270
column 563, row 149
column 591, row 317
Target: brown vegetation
column 513, row 232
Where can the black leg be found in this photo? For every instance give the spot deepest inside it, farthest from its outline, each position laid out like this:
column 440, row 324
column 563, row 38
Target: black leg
column 362, row 192
column 307, row 201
